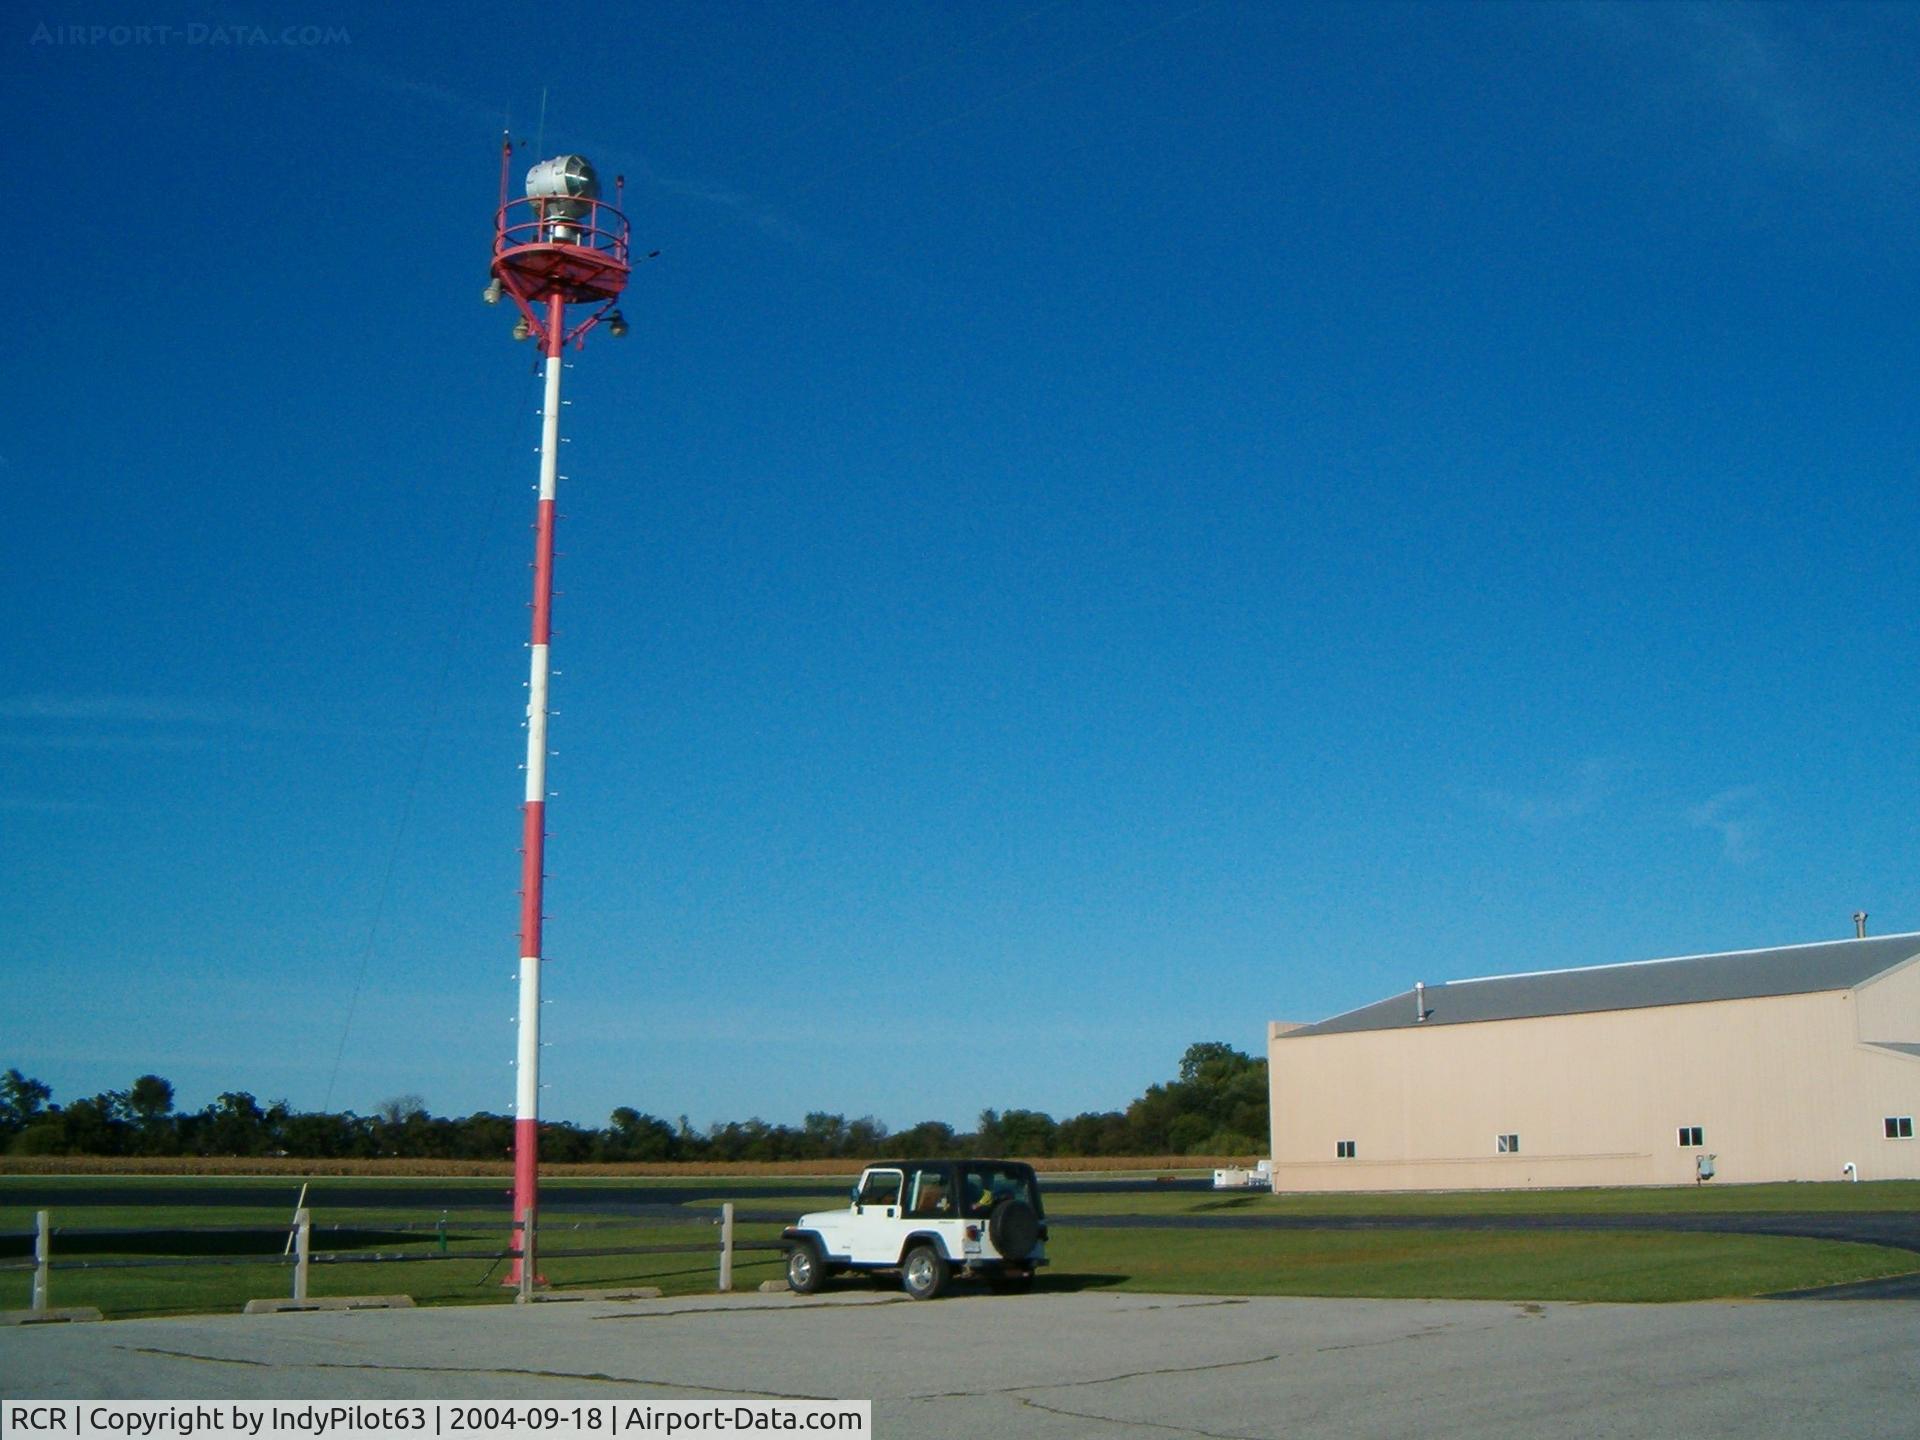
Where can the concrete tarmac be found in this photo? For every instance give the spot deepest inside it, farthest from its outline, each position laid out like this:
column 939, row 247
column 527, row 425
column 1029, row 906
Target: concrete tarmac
column 1063, row 1365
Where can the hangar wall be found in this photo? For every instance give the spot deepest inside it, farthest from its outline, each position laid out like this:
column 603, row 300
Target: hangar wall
column 1890, row 1005
column 1782, row 1087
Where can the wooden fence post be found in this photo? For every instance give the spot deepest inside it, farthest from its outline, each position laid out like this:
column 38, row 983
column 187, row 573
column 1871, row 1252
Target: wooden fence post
column 42, row 1259
column 302, row 1251
column 726, row 1247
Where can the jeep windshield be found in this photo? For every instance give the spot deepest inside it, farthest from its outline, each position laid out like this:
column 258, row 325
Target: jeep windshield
column 984, row 1185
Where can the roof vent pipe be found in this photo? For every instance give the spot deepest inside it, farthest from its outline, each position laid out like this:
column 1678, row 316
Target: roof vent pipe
column 1859, row 924
column 1419, row 1001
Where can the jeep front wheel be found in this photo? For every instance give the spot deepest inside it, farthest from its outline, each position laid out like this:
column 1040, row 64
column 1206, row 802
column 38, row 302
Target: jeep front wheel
column 805, row 1271
column 924, row 1272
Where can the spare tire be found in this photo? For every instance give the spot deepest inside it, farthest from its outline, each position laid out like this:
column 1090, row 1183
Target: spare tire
column 1014, row 1229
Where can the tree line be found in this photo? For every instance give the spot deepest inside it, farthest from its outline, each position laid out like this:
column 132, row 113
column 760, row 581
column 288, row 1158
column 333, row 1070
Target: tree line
column 1216, row 1105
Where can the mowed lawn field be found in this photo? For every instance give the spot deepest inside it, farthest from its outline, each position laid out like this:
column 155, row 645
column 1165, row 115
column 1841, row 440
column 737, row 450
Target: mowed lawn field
column 1617, row 1264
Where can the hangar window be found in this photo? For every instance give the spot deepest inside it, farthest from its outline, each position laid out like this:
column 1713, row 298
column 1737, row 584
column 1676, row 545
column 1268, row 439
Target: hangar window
column 1506, row 1144
column 1692, row 1137
column 1899, row 1127
column 1343, row 1149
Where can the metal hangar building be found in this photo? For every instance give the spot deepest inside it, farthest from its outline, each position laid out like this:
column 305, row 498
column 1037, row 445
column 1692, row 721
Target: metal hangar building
column 1795, row 1063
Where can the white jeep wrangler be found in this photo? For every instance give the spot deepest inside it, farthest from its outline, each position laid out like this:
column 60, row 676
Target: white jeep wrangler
column 930, row 1220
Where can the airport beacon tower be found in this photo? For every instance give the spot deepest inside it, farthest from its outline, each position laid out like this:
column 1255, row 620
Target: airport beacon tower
column 558, row 246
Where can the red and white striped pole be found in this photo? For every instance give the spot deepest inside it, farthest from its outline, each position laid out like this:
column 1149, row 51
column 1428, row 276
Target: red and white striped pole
column 533, row 831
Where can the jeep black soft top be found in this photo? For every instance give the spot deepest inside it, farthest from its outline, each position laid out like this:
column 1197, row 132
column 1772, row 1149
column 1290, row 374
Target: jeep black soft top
column 980, row 1184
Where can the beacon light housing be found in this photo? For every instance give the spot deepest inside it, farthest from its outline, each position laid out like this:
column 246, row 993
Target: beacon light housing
column 565, row 182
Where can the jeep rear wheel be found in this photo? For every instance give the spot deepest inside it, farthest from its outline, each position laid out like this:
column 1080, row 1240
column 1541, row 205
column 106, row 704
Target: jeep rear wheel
column 924, row 1272
column 805, row 1271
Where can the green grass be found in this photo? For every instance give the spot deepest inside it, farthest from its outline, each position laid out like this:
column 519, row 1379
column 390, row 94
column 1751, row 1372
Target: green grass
column 1464, row 1265
column 1650, row 1200
column 1529, row 1265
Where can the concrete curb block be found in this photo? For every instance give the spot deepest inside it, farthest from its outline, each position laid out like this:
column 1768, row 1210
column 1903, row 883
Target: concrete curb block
column 72, row 1314
column 549, row 1297
column 330, row 1302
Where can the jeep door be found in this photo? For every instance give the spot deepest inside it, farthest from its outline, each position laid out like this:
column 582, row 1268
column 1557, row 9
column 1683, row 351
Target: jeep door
column 874, row 1229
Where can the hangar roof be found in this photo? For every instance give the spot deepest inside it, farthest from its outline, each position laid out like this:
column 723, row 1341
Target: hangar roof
column 1637, row 985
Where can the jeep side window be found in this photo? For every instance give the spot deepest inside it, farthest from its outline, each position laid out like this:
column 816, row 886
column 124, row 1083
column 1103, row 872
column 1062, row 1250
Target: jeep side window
column 882, row 1188
column 927, row 1193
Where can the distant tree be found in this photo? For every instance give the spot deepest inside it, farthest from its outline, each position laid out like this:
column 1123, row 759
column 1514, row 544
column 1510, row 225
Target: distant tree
column 865, row 1136
column 1206, row 1061
column 565, row 1144
column 1026, row 1132
column 1094, row 1133
column 22, row 1101
column 986, row 1138
column 234, row 1124
column 931, row 1138
column 1151, row 1117
column 484, row 1136
column 1188, row 1133
column 398, row 1109
column 325, row 1136
column 632, row 1135
column 150, row 1098
column 44, row 1137
column 1217, row 1103
column 92, row 1127
column 150, row 1103
column 826, row 1135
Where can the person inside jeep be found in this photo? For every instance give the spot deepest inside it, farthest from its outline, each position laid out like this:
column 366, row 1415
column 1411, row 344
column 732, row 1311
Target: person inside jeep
column 979, row 1190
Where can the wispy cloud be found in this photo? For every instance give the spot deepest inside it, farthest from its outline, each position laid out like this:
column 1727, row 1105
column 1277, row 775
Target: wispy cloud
column 1592, row 783
column 1755, row 72
column 1731, row 814
column 123, row 724
column 105, row 744
column 1796, row 84
column 488, row 118
column 739, row 204
column 32, row 805
column 128, row 710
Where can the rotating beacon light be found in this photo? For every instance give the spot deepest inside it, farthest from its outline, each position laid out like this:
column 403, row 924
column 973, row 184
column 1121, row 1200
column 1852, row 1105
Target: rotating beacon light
column 560, row 246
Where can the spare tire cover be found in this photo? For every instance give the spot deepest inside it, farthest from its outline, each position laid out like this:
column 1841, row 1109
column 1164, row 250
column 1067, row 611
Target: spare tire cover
column 1014, row 1229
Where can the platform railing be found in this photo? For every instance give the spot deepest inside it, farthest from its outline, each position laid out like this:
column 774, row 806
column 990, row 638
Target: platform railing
column 547, row 220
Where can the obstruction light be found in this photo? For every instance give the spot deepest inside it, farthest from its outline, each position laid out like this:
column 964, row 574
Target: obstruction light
column 491, row 295
column 522, row 330
column 616, row 324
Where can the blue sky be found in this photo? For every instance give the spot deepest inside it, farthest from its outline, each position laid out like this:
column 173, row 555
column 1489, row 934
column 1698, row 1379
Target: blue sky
column 1115, row 523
